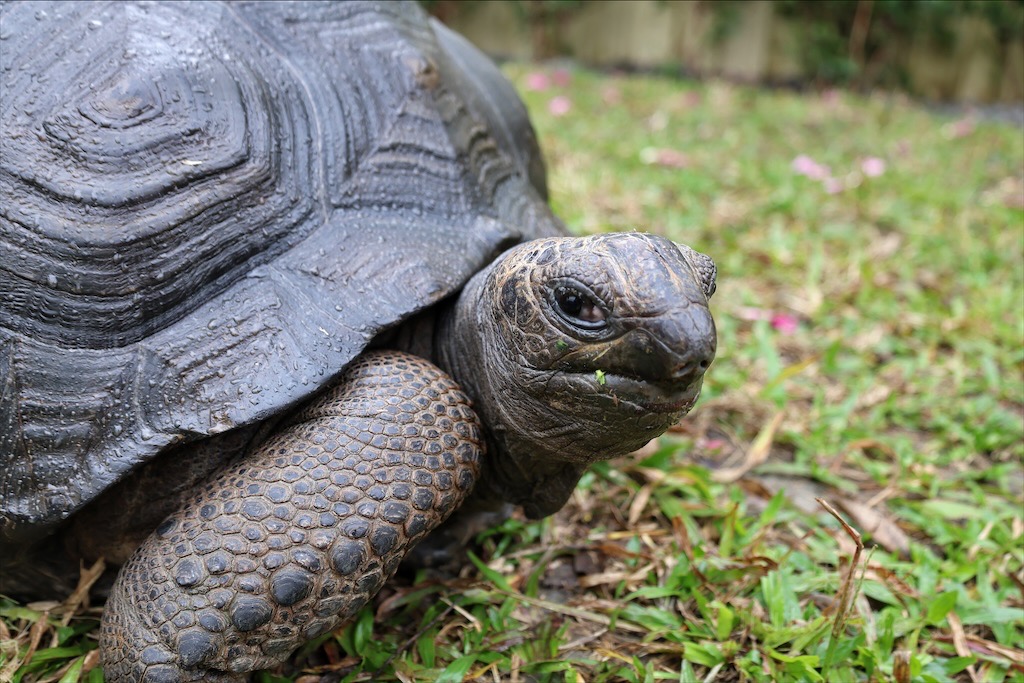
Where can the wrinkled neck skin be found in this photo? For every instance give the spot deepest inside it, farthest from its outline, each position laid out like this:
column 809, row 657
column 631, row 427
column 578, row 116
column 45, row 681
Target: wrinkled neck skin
column 575, row 350
column 540, row 440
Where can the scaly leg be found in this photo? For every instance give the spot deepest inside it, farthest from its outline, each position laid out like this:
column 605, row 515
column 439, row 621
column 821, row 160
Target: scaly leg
column 292, row 540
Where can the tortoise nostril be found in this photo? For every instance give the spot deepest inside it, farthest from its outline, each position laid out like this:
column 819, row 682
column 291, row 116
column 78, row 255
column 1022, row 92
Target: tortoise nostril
column 692, row 370
column 688, row 373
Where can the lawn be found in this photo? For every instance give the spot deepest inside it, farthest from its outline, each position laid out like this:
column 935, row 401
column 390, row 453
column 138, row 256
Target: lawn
column 870, row 310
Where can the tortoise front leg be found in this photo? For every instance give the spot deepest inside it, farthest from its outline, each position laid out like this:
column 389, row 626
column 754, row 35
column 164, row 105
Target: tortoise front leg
column 292, row 540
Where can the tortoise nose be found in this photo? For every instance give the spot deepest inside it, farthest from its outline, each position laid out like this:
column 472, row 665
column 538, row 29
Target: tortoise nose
column 674, row 352
column 692, row 366
column 688, row 345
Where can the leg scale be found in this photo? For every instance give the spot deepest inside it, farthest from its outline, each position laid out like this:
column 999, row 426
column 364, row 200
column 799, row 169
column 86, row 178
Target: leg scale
column 292, row 540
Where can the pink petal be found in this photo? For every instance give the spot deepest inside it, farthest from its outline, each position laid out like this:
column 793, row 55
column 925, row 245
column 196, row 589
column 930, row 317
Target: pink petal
column 561, row 77
column 806, row 166
column 872, row 167
column 830, row 97
column 961, row 128
column 560, row 105
column 537, row 80
column 833, row 185
column 753, row 313
column 669, row 158
column 713, row 444
column 802, row 164
column 691, row 99
column 785, row 323
column 611, row 95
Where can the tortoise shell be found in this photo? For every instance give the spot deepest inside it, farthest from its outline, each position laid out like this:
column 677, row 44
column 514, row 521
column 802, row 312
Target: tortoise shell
column 210, row 209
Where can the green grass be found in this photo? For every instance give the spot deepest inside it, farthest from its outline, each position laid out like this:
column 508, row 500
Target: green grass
column 871, row 353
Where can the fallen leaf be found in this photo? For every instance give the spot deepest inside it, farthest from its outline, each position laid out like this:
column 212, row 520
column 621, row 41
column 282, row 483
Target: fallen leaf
column 882, row 529
column 756, row 454
column 92, row 660
column 800, row 491
column 614, row 577
column 35, row 635
column 80, row 597
column 640, row 501
column 979, row 644
column 901, row 666
column 960, row 641
column 892, row 580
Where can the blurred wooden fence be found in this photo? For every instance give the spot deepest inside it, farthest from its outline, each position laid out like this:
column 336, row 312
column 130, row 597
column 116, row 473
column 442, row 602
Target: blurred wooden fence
column 971, row 64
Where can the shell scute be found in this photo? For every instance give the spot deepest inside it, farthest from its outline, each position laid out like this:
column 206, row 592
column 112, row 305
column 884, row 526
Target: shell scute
column 210, row 209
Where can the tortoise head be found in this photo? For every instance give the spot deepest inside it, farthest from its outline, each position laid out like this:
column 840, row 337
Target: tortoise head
column 581, row 349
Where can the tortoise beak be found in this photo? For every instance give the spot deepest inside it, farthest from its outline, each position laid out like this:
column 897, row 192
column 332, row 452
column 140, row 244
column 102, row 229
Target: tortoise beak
column 670, row 353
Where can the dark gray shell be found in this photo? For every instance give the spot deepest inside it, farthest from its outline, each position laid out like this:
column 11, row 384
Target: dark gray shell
column 209, row 209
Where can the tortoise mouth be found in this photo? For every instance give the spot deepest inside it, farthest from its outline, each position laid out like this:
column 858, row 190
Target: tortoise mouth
column 631, row 394
column 651, row 397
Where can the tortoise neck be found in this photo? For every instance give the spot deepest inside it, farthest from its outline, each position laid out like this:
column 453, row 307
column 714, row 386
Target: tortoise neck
column 516, row 468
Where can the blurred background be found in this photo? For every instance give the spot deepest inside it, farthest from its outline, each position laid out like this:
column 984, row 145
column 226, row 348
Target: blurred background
column 939, row 50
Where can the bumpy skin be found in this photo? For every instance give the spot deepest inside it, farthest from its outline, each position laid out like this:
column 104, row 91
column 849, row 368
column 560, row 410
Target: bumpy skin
column 294, row 538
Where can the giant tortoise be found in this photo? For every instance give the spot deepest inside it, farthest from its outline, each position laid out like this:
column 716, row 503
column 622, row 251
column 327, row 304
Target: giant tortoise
column 281, row 291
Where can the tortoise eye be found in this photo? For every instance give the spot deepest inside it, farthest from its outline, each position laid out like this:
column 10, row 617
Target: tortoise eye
column 579, row 307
